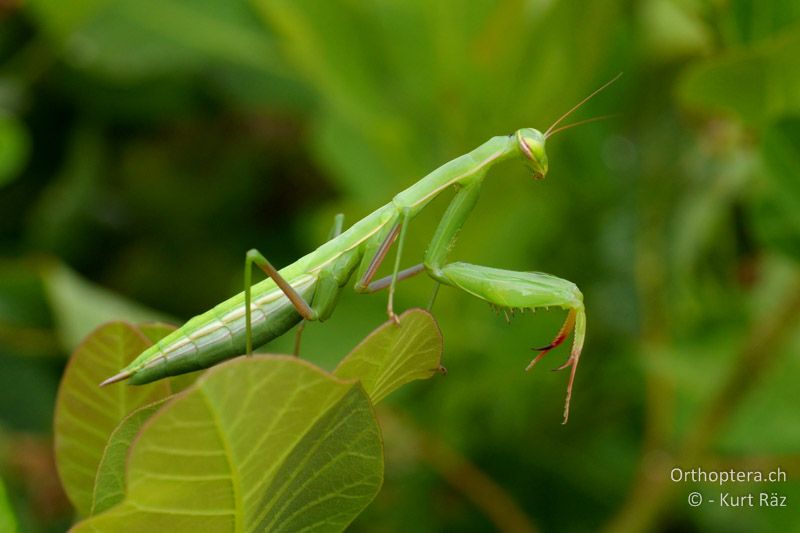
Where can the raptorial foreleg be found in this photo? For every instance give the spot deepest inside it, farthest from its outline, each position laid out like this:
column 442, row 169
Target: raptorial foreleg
column 506, row 288
column 527, row 290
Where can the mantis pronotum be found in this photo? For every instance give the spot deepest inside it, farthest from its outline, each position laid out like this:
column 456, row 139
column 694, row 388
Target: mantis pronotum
column 308, row 288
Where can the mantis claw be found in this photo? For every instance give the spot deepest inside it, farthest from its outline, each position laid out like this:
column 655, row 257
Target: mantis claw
column 506, row 290
column 567, row 364
column 546, row 348
column 561, row 336
column 572, row 361
column 536, row 360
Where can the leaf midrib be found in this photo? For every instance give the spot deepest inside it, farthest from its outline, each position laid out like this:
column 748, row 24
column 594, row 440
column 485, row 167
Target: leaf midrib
column 236, row 481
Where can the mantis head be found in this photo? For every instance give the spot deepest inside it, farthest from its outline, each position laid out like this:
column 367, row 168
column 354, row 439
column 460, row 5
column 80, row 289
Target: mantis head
column 531, row 141
column 531, row 144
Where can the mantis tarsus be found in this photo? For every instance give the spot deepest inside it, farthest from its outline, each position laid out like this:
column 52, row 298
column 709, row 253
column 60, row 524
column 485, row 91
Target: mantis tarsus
column 308, row 288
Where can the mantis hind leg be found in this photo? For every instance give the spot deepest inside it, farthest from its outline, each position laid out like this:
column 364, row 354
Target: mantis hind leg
column 254, row 257
column 324, row 299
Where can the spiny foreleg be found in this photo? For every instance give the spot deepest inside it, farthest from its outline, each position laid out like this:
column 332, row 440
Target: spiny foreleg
column 527, row 290
column 505, row 288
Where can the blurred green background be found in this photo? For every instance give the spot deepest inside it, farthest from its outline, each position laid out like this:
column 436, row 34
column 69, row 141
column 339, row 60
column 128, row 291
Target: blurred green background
column 145, row 145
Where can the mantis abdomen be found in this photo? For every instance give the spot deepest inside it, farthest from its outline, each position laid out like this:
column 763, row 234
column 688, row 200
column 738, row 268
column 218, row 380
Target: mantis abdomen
column 220, row 333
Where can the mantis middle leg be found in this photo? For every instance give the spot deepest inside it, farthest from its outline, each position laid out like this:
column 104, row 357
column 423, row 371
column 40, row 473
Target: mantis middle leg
column 376, row 255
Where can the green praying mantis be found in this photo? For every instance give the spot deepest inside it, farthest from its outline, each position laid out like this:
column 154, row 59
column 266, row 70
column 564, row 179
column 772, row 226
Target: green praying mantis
column 308, row 288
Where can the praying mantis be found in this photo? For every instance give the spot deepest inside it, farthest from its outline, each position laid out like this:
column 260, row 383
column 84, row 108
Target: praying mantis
column 307, row 290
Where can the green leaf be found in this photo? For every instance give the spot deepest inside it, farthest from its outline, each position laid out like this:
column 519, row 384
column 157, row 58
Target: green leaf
column 391, row 356
column 262, row 443
column 79, row 307
column 86, row 414
column 109, row 485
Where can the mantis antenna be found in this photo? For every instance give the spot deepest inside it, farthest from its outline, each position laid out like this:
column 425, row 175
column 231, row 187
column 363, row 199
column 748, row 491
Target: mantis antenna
column 581, row 122
column 578, row 105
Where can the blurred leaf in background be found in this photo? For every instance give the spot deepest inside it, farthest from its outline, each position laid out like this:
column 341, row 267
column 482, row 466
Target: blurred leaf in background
column 157, row 141
column 777, row 209
column 14, row 148
column 8, row 522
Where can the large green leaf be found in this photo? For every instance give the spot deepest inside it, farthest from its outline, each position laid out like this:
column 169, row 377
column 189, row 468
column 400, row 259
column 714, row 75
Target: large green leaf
column 393, row 355
column 109, row 484
column 86, row 414
column 262, row 443
column 388, row 358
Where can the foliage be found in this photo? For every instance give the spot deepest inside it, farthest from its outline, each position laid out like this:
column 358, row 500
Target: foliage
column 144, row 146
column 259, row 443
column 86, row 414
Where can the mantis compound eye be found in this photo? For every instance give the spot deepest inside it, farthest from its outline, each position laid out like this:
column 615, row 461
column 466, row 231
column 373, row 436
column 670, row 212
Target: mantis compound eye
column 531, row 144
